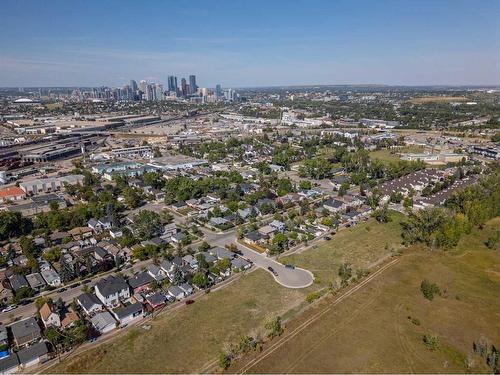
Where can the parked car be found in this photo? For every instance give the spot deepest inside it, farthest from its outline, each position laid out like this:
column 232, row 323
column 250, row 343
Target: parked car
column 9, row 308
column 86, row 281
column 271, row 269
column 328, row 238
column 189, row 301
column 291, row 266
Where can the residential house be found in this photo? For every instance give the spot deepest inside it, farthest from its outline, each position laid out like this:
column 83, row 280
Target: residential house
column 9, row 364
column 49, row 315
column 176, row 292
column 334, row 205
column 156, row 300
column 156, row 272
column 69, row 320
column 240, row 263
column 186, row 288
column 278, row 225
column 115, row 232
column 128, row 313
column 25, row 332
column 36, row 281
column 17, row 282
column 35, row 354
column 89, row 303
column 140, row 281
column 51, row 277
column 267, row 231
column 103, row 322
column 111, row 290
column 255, row 238
column 5, row 293
column 337, row 181
column 220, row 253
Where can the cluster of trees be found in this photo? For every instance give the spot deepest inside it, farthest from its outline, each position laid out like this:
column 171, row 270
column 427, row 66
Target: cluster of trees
column 443, row 227
column 13, row 224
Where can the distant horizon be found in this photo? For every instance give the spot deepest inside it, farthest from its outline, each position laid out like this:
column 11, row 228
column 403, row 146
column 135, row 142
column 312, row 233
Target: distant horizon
column 490, row 86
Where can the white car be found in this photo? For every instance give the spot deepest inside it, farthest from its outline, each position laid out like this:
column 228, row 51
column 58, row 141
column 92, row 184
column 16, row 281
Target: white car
column 9, row 308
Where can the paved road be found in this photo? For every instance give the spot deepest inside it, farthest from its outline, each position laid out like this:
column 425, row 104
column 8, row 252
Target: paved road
column 288, row 277
column 26, row 311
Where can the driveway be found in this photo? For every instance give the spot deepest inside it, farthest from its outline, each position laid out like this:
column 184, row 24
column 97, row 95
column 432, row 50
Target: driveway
column 294, row 278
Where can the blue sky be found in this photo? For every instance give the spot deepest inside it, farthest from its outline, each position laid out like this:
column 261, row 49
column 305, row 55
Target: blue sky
column 250, row 43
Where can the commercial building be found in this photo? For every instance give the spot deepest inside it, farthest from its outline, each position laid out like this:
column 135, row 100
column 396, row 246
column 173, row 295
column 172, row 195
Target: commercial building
column 50, row 184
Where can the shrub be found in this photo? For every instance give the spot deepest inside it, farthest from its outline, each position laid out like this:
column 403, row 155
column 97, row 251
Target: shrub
column 431, row 342
column 311, row 297
column 429, row 289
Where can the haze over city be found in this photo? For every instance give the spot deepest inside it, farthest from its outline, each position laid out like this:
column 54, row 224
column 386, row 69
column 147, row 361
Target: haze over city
column 246, row 44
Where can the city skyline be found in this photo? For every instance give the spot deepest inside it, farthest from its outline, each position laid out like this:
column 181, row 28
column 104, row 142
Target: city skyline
column 250, row 45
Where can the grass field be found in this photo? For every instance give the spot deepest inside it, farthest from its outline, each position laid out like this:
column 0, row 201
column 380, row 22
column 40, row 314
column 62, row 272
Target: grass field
column 361, row 246
column 389, row 156
column 380, row 328
column 191, row 337
column 437, row 99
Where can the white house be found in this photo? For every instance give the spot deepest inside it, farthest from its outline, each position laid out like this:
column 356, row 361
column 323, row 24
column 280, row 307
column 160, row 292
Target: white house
column 112, row 290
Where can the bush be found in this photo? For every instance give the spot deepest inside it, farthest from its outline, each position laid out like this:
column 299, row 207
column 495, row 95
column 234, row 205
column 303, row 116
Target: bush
column 224, row 361
column 431, row 342
column 311, row 297
column 429, row 289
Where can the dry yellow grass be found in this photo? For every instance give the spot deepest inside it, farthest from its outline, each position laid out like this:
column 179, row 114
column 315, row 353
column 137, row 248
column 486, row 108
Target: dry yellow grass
column 380, row 328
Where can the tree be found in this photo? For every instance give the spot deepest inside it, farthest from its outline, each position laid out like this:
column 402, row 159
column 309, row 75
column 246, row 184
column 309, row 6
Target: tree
column 343, row 189
column 132, row 197
column 200, row 280
column 12, row 225
column 28, row 247
column 52, row 255
column 422, row 225
column 429, row 289
column 280, row 241
column 202, row 263
column 305, row 184
column 382, row 215
column 204, row 246
column 345, row 273
column 224, row 264
column 147, row 224
column 178, row 278
column 273, row 327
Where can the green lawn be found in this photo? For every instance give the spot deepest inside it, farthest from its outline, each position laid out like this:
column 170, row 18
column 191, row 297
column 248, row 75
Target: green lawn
column 390, row 156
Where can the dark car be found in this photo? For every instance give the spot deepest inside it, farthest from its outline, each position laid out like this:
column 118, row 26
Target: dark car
column 189, row 302
column 291, row 266
column 74, row 285
column 271, row 269
column 86, row 281
column 328, row 238
column 62, row 290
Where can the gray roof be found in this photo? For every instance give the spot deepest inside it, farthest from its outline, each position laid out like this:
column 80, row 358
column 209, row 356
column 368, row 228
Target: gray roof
column 209, row 258
column 220, row 253
column 88, row 300
column 128, row 310
column 8, row 363
column 254, row 236
column 35, row 280
column 186, row 287
column 25, row 327
column 140, row 279
column 102, row 320
column 111, row 285
column 18, row 282
column 240, row 263
column 3, row 332
column 156, row 299
column 34, row 351
column 175, row 290
column 333, row 203
column 50, row 275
